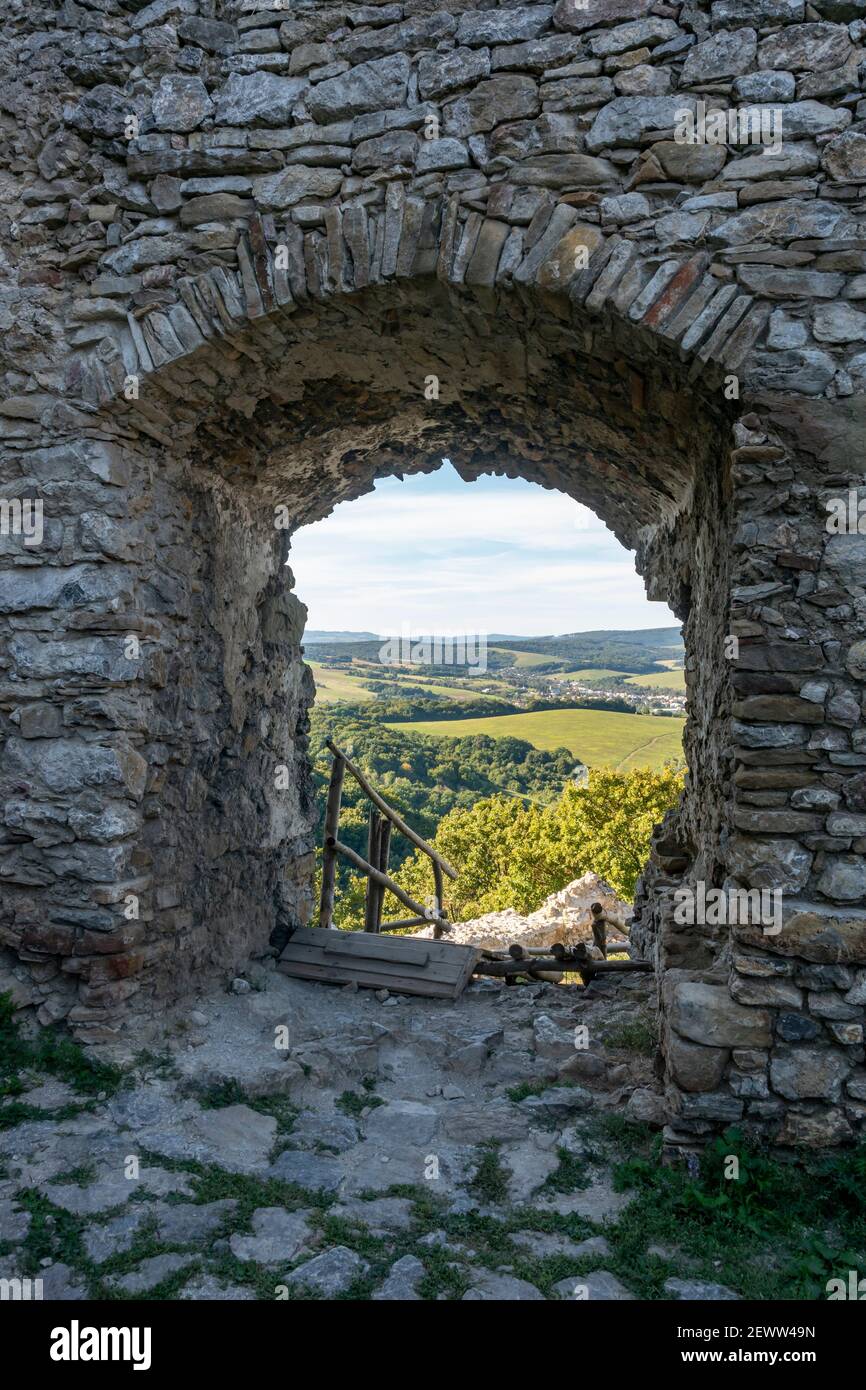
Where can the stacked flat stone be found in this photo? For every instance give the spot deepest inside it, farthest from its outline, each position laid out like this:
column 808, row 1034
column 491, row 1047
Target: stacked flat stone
column 239, row 241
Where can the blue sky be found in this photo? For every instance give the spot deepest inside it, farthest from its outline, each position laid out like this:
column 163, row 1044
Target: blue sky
column 435, row 554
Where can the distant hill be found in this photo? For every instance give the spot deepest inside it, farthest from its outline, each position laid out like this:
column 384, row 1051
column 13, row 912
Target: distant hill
column 620, row 650
column 642, row 636
column 322, row 635
column 348, row 651
column 612, row 649
column 648, row 636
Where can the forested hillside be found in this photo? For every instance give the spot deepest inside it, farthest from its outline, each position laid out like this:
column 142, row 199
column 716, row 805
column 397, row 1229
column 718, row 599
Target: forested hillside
column 525, row 776
column 424, row 778
column 518, row 822
column 636, row 652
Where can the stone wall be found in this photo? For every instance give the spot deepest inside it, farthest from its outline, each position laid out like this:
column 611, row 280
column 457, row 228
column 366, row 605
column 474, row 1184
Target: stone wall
column 254, row 259
column 764, row 1026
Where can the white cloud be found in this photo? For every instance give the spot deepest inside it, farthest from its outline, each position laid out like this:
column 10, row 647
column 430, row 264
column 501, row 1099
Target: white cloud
column 487, row 557
column 535, row 519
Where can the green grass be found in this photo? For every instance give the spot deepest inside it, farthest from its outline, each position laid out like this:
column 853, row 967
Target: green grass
column 333, row 685
column 638, row 1034
column 220, row 1094
column 779, row 1230
column 51, row 1053
column 490, row 1184
column 600, row 738
column 82, row 1176
column 588, row 673
column 354, row 1103
column 451, row 692
column 524, row 1089
column 525, row 658
column 571, row 1174
column 665, row 680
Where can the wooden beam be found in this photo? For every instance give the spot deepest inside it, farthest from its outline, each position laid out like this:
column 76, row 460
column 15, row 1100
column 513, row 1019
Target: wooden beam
column 405, row 922
column 439, row 888
column 377, row 874
column 374, row 824
column 389, row 811
column 533, row 965
column 382, row 866
column 329, row 859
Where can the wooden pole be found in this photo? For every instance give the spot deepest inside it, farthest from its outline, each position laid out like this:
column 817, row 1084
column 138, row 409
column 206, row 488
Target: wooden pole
column 374, row 826
column 439, row 888
column 405, row 922
column 599, row 927
column 377, row 874
column 332, row 825
column 382, row 865
column 388, row 811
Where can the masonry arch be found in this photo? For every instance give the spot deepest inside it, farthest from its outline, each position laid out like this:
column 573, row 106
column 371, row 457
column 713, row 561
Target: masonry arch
column 320, row 402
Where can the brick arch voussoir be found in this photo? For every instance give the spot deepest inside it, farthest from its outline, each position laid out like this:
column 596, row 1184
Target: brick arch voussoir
column 677, row 307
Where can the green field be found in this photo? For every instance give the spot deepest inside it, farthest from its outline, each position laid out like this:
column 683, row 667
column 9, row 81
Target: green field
column 598, row 738
column 451, row 692
column 673, row 679
column 343, row 683
column 333, row 685
column 587, row 673
column 524, row 658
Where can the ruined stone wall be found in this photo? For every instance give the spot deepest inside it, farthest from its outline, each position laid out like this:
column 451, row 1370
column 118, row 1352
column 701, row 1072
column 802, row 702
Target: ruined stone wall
column 238, row 240
column 763, row 1024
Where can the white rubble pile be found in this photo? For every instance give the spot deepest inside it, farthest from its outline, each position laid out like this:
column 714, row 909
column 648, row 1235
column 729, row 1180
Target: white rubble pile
column 563, row 917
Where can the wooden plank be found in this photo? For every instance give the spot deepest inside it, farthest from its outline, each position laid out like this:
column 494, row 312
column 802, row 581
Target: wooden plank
column 407, row 948
column 436, row 970
column 467, row 972
column 389, row 948
column 370, row 947
column 367, row 951
column 348, row 975
column 433, row 968
column 343, row 975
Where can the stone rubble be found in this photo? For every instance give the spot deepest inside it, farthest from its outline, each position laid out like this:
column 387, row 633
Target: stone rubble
column 563, row 917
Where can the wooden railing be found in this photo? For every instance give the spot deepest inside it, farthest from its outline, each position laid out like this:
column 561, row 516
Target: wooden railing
column 383, row 818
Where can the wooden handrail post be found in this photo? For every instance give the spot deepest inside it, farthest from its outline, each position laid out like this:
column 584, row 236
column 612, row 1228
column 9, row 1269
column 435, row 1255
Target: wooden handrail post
column 374, row 832
column 329, row 858
column 383, row 819
column 439, row 889
column 382, row 865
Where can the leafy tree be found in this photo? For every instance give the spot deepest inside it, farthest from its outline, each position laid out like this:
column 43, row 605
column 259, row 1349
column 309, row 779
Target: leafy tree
column 510, row 854
column 606, row 826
